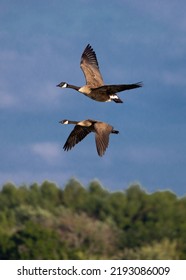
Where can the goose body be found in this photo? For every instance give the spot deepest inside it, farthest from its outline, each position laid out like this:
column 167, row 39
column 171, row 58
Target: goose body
column 81, row 129
column 95, row 87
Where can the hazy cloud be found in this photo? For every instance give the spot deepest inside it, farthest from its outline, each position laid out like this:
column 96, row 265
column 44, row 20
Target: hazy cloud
column 7, row 100
column 48, row 151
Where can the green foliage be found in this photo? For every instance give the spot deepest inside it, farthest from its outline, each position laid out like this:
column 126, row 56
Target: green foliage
column 163, row 250
column 48, row 222
column 34, row 242
column 93, row 238
column 74, row 195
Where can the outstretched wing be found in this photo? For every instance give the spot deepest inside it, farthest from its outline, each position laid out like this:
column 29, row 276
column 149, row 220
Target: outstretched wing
column 112, row 89
column 102, row 132
column 90, row 68
column 77, row 134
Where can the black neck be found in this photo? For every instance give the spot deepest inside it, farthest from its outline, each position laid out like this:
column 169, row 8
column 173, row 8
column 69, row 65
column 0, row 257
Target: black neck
column 73, row 87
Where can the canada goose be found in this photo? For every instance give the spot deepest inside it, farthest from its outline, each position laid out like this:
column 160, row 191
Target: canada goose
column 83, row 128
column 95, row 87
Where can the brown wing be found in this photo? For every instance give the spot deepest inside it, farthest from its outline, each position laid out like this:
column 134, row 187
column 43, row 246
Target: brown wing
column 90, row 68
column 77, row 134
column 111, row 89
column 102, row 131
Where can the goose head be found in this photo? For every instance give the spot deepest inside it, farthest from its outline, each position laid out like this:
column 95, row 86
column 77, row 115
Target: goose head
column 62, row 85
column 64, row 122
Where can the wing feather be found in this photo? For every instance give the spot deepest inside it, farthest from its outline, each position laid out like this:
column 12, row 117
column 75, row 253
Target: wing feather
column 90, row 68
column 112, row 89
column 102, row 131
column 77, row 135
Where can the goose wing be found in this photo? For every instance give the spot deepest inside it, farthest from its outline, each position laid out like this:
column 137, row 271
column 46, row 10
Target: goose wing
column 102, row 132
column 90, row 68
column 77, row 134
column 112, row 89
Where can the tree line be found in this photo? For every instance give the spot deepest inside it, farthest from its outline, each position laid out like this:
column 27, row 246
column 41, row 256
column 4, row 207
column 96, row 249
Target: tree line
column 45, row 221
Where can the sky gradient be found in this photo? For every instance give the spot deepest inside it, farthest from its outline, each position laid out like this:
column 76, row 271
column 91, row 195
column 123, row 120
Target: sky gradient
column 41, row 45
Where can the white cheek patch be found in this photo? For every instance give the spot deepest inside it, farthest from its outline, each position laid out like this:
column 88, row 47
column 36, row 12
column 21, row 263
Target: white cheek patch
column 65, row 85
column 65, row 122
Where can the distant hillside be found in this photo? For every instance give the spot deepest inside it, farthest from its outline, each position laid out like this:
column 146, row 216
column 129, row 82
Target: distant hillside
column 74, row 222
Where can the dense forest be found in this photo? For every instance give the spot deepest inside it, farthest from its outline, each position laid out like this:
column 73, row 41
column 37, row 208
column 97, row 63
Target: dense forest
column 76, row 222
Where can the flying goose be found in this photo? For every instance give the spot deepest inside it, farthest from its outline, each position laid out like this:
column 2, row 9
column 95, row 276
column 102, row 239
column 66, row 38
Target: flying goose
column 102, row 131
column 95, row 88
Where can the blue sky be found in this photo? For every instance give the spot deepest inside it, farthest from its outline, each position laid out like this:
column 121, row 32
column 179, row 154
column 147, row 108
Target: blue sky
column 41, row 45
